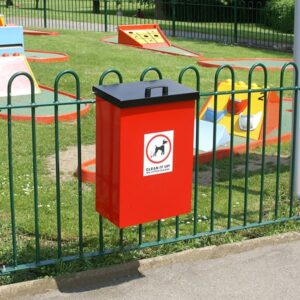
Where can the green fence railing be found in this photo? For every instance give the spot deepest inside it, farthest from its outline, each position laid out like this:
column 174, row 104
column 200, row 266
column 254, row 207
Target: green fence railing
column 240, row 22
column 46, row 220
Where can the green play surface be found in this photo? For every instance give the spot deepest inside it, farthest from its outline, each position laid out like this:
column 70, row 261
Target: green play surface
column 44, row 56
column 168, row 50
column 46, row 112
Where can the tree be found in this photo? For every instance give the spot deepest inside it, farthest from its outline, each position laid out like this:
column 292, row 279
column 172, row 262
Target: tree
column 9, row 3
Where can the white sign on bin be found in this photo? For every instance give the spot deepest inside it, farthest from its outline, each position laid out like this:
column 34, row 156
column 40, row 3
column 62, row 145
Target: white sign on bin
column 158, row 152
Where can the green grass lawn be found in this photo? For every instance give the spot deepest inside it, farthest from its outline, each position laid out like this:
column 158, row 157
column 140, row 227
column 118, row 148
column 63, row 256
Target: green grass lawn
column 89, row 57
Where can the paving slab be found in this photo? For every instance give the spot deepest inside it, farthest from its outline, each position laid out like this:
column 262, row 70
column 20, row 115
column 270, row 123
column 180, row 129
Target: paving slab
column 264, row 268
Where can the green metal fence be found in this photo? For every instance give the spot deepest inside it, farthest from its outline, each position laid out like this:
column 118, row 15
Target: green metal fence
column 45, row 220
column 240, row 22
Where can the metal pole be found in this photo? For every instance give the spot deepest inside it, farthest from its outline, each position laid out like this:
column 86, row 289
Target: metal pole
column 45, row 14
column 105, row 15
column 297, row 133
column 173, row 3
column 235, row 22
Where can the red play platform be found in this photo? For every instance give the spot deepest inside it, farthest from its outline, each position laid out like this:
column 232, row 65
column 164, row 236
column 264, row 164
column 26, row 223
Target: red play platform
column 147, row 37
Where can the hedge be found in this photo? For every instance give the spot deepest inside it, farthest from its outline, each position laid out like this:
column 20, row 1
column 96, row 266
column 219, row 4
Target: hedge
column 280, row 15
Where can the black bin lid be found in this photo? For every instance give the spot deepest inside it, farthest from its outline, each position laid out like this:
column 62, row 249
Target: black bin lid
column 144, row 93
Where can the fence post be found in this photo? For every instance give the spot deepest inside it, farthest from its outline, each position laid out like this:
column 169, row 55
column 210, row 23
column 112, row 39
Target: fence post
column 235, row 22
column 173, row 4
column 45, row 13
column 105, row 15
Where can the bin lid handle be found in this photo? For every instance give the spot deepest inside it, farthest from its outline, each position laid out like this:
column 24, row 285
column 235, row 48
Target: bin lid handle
column 165, row 90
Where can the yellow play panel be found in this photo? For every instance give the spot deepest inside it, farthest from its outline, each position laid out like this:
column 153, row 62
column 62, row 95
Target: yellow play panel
column 2, row 20
column 257, row 106
column 145, row 36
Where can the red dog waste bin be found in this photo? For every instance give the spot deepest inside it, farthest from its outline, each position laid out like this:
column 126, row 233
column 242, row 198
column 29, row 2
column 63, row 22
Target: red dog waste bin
column 144, row 150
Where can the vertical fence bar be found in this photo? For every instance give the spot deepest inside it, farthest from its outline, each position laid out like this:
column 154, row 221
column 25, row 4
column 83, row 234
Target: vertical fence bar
column 10, row 167
column 213, row 173
column 196, row 165
column 121, row 233
column 11, row 181
column 279, row 143
column 259, row 65
column 10, row 174
column 57, row 168
column 158, row 230
column 263, row 158
column 79, row 162
column 140, row 233
column 235, row 21
column 35, row 178
column 121, row 237
column 177, row 227
column 173, row 3
column 105, row 15
column 294, row 159
column 231, row 147
column 247, row 153
column 101, row 236
column 230, row 69
column 45, row 13
column 142, row 78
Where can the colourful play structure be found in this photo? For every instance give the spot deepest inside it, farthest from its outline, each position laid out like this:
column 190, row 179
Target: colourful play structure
column 12, row 43
column 14, row 59
column 240, row 110
column 223, row 126
column 11, row 39
column 45, row 56
column 148, row 37
column 9, row 65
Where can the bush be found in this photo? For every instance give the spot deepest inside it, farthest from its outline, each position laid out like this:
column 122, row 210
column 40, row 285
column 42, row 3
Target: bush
column 248, row 11
column 280, row 15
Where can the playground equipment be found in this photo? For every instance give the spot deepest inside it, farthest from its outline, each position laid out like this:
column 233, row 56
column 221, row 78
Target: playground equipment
column 145, row 36
column 9, row 65
column 240, row 121
column 13, row 59
column 223, row 126
column 148, row 37
column 21, row 94
column 12, row 43
column 11, row 39
column 241, row 110
column 45, row 56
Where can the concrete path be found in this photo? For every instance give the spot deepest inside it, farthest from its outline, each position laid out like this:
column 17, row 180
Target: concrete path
column 257, row 269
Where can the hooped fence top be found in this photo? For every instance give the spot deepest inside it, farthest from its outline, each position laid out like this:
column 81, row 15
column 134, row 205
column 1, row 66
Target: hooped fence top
column 145, row 92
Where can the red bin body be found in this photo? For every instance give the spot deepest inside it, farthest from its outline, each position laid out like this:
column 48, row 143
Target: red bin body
column 144, row 151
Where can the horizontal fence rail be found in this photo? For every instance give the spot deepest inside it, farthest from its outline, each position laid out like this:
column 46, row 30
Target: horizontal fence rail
column 233, row 22
column 46, row 220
